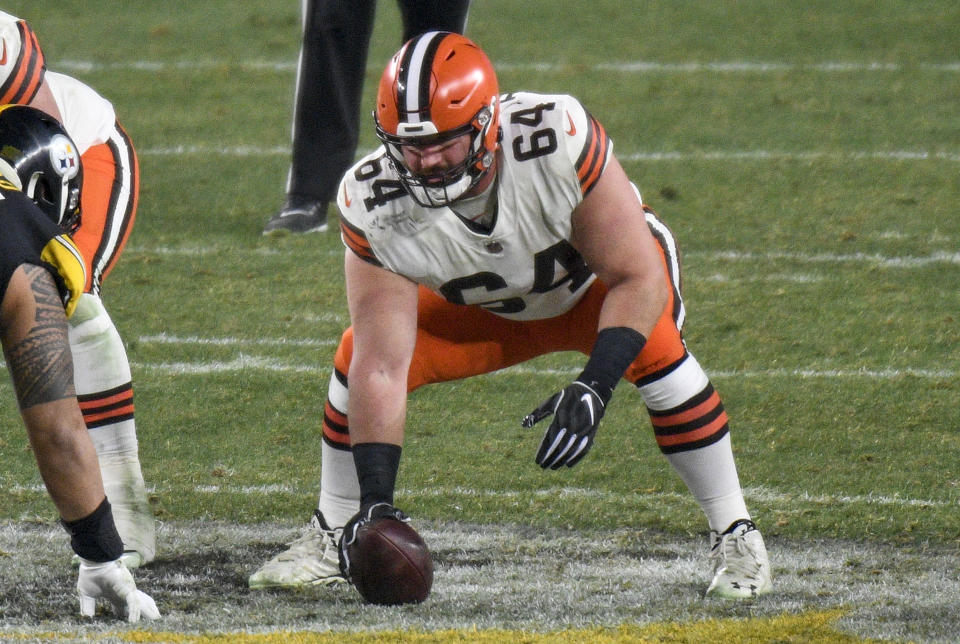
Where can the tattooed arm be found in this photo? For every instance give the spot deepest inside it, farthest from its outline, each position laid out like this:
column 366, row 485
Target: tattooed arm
column 33, row 329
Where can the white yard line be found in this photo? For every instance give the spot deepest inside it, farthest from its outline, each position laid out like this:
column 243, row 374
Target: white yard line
column 648, row 156
column 240, row 363
column 166, row 338
column 765, row 495
column 269, row 363
column 886, row 261
column 259, row 363
column 626, row 67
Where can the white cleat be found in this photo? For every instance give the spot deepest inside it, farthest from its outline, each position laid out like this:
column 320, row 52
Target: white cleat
column 742, row 569
column 311, row 560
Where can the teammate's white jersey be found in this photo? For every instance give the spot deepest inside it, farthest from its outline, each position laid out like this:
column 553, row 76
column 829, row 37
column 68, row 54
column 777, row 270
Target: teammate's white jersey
column 551, row 154
column 88, row 118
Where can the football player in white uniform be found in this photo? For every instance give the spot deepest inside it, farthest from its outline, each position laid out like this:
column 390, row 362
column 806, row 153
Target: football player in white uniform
column 486, row 231
column 42, row 276
column 111, row 184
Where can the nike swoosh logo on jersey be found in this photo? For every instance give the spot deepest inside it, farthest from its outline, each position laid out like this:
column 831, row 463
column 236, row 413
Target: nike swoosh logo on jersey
column 346, row 198
column 573, row 128
column 3, row 57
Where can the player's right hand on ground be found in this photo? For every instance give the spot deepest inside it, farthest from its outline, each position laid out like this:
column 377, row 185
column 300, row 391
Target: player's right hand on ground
column 113, row 582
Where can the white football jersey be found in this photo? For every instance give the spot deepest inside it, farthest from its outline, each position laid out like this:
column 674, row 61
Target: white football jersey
column 88, row 118
column 551, row 154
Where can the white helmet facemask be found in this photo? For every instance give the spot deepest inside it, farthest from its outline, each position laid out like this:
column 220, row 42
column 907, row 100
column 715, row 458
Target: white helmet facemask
column 442, row 189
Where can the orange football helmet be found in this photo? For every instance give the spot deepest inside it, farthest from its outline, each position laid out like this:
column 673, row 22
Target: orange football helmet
column 439, row 86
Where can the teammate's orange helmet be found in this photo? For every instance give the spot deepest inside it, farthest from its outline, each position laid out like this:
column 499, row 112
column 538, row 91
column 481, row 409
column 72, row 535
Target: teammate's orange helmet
column 439, row 86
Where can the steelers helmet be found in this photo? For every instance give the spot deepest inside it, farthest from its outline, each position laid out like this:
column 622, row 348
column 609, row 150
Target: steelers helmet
column 439, row 86
column 38, row 157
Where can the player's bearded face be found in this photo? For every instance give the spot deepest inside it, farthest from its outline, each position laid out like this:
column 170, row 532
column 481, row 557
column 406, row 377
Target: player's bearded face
column 432, row 162
column 438, row 170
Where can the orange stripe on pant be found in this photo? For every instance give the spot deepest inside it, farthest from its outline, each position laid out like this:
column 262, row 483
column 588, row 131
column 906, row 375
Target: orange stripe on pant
column 111, row 187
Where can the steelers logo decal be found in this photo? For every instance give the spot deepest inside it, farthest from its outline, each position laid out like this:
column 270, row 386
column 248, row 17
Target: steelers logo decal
column 64, row 157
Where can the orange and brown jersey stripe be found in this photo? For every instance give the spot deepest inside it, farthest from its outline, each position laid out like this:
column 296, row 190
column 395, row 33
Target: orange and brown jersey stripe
column 336, row 431
column 27, row 76
column 356, row 240
column 107, row 407
column 696, row 423
column 593, row 158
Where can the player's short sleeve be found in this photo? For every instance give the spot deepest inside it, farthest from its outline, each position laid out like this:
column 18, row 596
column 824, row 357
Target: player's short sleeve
column 22, row 63
column 62, row 255
column 587, row 143
column 353, row 195
column 356, row 240
column 27, row 236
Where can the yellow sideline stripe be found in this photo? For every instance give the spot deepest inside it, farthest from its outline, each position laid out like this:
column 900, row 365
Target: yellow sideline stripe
column 816, row 627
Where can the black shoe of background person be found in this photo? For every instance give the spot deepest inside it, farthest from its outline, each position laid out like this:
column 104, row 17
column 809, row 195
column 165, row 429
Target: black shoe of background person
column 298, row 215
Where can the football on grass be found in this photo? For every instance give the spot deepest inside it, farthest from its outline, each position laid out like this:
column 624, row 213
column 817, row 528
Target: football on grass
column 390, row 563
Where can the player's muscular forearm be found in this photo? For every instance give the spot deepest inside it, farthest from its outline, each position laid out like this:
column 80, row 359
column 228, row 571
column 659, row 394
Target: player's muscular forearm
column 39, row 360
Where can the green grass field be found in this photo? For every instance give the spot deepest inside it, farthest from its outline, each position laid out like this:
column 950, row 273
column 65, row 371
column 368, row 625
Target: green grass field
column 807, row 156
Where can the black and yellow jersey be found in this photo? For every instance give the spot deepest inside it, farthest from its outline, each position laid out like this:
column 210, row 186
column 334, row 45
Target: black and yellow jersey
column 28, row 236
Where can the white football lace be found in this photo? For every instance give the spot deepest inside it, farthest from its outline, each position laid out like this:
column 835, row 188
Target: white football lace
column 307, row 544
column 742, row 565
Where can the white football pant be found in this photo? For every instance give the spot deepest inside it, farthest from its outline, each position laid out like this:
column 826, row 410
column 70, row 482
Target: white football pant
column 100, row 367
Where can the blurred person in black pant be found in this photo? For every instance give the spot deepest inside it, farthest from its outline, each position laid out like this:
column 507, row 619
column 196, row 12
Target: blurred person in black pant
column 330, row 74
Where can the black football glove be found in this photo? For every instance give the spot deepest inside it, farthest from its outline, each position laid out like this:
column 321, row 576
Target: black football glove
column 366, row 514
column 577, row 412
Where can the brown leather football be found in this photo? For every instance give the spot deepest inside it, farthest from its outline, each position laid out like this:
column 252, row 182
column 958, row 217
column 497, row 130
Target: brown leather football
column 390, row 563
